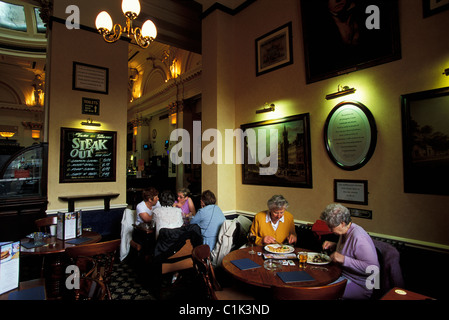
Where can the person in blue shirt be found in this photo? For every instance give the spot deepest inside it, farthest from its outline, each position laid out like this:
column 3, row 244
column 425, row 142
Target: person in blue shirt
column 209, row 218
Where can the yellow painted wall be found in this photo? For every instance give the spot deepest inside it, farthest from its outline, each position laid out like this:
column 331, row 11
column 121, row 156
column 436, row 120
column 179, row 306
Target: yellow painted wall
column 425, row 54
column 64, row 108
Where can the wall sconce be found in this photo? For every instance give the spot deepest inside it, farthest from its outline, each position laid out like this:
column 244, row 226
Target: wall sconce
column 35, row 128
column 8, row 131
column 269, row 108
column 89, row 122
column 446, row 72
column 131, row 9
column 342, row 91
column 35, row 134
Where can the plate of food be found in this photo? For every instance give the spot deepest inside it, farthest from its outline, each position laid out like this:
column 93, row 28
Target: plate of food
column 318, row 258
column 279, row 248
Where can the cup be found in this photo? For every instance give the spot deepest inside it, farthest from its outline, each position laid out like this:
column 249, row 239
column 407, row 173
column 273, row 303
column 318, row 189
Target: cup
column 302, row 257
column 53, row 230
column 38, row 238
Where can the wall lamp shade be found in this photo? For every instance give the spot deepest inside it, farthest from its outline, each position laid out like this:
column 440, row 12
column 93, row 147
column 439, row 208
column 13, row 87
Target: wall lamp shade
column 6, row 134
column 89, row 122
column 270, row 108
column 112, row 32
column 342, row 91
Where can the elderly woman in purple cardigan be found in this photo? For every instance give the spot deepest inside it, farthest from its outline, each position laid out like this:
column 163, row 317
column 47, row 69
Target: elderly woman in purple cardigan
column 355, row 252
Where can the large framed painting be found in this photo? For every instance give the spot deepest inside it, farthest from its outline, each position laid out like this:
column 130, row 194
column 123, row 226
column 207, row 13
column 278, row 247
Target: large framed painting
column 345, row 36
column 425, row 134
column 431, row 7
column 277, row 152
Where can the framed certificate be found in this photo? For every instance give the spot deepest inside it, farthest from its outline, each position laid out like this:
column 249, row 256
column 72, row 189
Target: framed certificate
column 350, row 135
column 90, row 78
column 351, row 191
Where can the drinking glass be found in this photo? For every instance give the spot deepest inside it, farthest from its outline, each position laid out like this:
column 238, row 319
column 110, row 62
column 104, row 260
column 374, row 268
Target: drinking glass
column 251, row 241
column 302, row 257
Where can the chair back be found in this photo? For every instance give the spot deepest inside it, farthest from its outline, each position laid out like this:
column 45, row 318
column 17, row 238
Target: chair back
column 204, row 268
column 43, row 224
column 329, row 292
column 103, row 254
column 90, row 289
column 181, row 260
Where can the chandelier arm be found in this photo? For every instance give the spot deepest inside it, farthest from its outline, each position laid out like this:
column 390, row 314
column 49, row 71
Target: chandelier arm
column 143, row 42
column 113, row 35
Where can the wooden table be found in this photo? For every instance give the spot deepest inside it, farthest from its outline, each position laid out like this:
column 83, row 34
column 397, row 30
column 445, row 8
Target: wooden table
column 323, row 274
column 24, row 285
column 54, row 264
column 402, row 294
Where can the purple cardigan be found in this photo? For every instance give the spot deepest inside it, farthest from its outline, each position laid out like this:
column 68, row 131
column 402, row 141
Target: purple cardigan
column 359, row 251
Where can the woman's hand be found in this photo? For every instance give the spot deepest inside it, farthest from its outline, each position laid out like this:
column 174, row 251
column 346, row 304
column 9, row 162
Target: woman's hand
column 337, row 257
column 328, row 245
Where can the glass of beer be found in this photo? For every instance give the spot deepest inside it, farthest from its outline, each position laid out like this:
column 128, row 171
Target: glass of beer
column 302, row 257
column 251, row 241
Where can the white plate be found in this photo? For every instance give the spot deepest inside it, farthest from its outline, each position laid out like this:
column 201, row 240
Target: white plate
column 311, row 255
column 271, row 248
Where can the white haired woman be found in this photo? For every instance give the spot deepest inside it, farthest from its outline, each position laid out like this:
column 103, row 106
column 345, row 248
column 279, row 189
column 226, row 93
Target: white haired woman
column 355, row 251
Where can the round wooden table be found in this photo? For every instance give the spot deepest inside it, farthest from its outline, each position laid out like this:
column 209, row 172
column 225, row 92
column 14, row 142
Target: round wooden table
column 322, row 274
column 54, row 264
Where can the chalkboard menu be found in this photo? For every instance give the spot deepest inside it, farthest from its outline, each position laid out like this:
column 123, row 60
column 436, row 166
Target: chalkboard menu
column 87, row 155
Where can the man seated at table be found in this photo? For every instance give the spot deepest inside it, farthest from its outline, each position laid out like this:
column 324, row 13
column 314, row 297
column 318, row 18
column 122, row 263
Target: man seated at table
column 144, row 209
column 275, row 225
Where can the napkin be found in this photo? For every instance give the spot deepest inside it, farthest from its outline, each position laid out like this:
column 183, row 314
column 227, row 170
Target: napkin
column 295, row 276
column 245, row 264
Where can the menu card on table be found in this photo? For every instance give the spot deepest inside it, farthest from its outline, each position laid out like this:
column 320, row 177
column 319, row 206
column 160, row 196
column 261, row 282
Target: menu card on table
column 245, row 264
column 295, row 276
column 9, row 265
column 69, row 225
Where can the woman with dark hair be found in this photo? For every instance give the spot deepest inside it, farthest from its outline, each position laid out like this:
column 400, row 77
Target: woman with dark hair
column 209, row 218
column 167, row 216
column 144, row 209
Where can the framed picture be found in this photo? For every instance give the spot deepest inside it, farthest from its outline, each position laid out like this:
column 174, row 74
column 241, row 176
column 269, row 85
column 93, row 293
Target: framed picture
column 431, row 7
column 351, row 191
column 350, row 135
column 277, row 152
column 90, row 78
column 346, row 36
column 274, row 50
column 87, row 155
column 425, row 134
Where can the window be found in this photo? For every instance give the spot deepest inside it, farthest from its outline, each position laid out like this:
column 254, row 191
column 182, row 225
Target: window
column 12, row 16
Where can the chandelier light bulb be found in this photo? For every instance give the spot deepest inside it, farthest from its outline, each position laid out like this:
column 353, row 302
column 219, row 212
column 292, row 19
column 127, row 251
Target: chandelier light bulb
column 149, row 29
column 103, row 21
column 132, row 6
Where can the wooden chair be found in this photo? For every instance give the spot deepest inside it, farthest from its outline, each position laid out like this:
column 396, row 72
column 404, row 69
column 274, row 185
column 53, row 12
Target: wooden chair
column 104, row 255
column 90, row 289
column 204, row 268
column 329, row 292
column 43, row 224
column 181, row 260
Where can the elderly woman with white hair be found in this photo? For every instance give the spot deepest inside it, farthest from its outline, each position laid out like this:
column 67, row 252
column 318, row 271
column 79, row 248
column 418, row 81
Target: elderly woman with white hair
column 276, row 225
column 355, row 252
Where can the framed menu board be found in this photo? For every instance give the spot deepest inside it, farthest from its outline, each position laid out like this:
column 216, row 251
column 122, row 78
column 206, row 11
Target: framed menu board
column 350, row 135
column 87, row 155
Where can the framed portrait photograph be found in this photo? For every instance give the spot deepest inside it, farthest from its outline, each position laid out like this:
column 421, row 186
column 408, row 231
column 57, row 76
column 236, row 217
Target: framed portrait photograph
column 350, row 135
column 274, row 50
column 90, row 78
column 431, row 7
column 425, row 136
column 277, row 152
column 351, row 191
column 345, row 36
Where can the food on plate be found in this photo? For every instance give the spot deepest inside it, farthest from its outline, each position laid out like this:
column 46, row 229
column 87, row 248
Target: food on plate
column 318, row 258
column 279, row 249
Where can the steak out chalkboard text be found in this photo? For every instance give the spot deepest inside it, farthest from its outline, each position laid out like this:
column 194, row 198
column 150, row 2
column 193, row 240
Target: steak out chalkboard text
column 87, row 155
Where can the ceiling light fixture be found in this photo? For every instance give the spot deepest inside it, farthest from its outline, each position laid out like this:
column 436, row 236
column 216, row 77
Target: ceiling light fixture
column 111, row 33
column 341, row 91
column 269, row 108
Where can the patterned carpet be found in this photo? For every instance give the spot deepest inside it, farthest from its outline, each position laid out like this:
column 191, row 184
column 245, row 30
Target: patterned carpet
column 126, row 286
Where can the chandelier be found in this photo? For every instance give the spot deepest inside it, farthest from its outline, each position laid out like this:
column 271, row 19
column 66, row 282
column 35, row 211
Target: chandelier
column 111, row 33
